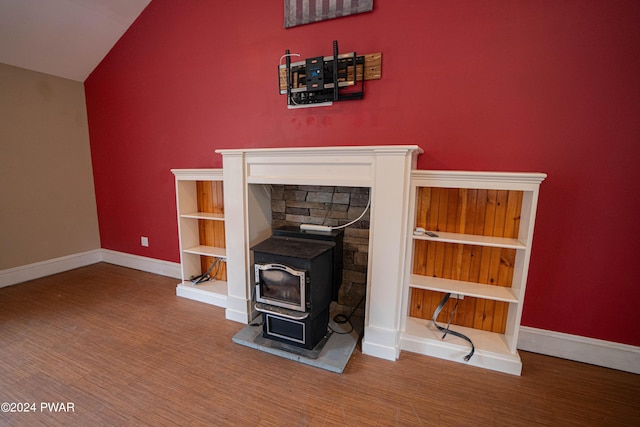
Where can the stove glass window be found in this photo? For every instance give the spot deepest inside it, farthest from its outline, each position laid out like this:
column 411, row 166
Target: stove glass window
column 280, row 285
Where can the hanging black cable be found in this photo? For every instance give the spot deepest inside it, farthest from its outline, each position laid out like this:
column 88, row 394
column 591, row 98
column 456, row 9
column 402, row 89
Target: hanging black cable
column 341, row 319
column 449, row 331
column 207, row 275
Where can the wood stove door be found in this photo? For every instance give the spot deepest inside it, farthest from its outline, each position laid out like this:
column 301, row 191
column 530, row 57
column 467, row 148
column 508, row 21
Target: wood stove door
column 281, row 286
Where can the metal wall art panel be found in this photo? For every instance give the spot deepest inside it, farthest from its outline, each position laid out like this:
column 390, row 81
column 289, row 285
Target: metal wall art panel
column 300, row 12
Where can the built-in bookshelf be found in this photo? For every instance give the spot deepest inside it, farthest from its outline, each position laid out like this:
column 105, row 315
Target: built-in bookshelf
column 470, row 236
column 201, row 229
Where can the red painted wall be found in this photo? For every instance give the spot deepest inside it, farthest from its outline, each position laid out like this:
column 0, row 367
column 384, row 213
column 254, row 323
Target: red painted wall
column 506, row 85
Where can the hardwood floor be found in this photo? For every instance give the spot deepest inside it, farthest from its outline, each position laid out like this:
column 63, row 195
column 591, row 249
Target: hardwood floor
column 124, row 350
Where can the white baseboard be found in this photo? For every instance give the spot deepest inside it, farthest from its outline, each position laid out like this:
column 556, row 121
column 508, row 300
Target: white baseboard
column 12, row 276
column 581, row 349
column 150, row 265
column 380, row 342
column 23, row 273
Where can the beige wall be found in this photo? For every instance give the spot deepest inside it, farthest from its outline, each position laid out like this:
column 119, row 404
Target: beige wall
column 47, row 200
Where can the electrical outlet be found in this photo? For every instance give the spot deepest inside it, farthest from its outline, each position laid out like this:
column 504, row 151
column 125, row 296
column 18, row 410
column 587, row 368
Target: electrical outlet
column 144, row 241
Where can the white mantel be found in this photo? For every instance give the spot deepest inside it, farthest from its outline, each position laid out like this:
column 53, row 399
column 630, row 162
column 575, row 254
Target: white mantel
column 384, row 169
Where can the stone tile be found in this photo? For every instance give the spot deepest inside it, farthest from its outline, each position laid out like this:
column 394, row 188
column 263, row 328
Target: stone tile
column 295, row 195
column 277, row 223
column 302, row 219
column 338, row 208
column 359, row 199
column 354, row 276
column 297, row 211
column 320, row 188
column 305, row 204
column 355, row 212
column 278, row 205
column 337, row 215
column 361, row 258
column 356, row 241
column 353, row 267
column 356, row 232
column 277, row 192
column 313, row 196
column 341, row 198
column 347, row 257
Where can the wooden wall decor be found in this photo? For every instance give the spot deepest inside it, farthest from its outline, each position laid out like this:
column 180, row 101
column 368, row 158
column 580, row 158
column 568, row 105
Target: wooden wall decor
column 211, row 200
column 300, row 12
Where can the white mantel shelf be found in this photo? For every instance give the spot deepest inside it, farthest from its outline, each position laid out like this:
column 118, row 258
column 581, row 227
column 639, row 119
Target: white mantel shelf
column 338, row 149
column 346, row 150
column 347, row 166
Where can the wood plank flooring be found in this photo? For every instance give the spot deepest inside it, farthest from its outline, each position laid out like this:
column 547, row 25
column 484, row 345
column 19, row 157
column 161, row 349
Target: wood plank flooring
column 124, row 350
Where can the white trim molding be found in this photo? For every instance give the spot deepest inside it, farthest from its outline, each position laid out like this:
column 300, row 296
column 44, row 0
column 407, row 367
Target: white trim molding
column 608, row 354
column 137, row 262
column 23, row 273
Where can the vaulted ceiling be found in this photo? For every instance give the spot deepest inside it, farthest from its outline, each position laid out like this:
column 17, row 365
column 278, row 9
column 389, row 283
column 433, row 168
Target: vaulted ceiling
column 64, row 38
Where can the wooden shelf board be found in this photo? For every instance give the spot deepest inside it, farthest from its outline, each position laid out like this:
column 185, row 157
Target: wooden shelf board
column 478, row 290
column 204, row 215
column 473, row 239
column 207, row 251
column 491, row 350
column 213, row 292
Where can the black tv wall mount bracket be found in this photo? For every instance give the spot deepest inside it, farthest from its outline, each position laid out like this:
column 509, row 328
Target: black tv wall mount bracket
column 323, row 80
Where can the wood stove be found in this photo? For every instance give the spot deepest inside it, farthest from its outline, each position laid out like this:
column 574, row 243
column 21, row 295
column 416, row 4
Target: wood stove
column 293, row 288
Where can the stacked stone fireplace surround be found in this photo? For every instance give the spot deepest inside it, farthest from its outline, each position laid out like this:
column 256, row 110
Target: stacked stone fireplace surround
column 292, row 205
